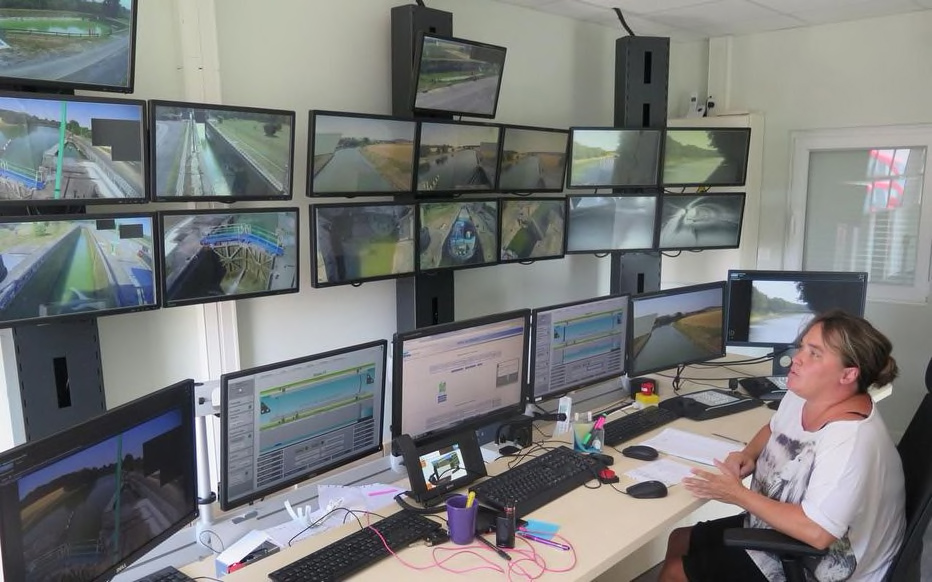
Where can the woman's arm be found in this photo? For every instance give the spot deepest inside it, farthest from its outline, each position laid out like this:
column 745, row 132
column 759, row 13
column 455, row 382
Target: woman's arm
column 742, row 463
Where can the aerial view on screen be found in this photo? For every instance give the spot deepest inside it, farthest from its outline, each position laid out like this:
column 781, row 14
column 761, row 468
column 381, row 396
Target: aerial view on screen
column 63, row 267
column 459, row 76
column 705, row 156
column 532, row 228
column 221, row 152
column 458, row 234
column 219, row 255
column 712, row 220
column 532, row 160
column 614, row 157
column 82, row 41
column 56, row 149
column 688, row 325
column 360, row 154
column 80, row 514
column 457, row 157
column 359, row 242
column 599, row 223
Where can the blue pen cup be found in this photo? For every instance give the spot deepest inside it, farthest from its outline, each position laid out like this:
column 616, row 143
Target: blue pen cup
column 587, row 439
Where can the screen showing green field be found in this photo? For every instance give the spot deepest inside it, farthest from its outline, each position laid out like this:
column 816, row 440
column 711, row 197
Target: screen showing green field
column 533, row 229
column 458, row 76
column 457, row 234
column 705, row 157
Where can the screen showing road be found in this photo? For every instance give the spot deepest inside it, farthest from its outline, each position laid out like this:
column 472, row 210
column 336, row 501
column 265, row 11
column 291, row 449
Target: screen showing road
column 532, row 160
column 707, row 221
column 607, row 158
column 457, row 157
column 457, row 234
column 706, row 157
column 610, row 223
column 533, row 229
column 458, row 76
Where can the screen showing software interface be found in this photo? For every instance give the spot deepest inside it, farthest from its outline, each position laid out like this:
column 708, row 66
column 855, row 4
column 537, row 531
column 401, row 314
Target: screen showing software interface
column 291, row 421
column 442, row 466
column 579, row 344
column 455, row 376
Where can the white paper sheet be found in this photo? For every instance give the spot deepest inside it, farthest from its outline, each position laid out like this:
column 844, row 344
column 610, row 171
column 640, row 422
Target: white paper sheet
column 691, row 446
column 666, row 470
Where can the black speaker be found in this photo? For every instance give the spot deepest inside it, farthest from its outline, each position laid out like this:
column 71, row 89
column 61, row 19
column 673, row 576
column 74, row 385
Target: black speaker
column 517, row 431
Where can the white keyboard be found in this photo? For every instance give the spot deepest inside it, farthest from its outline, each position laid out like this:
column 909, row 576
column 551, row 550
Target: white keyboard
column 711, row 398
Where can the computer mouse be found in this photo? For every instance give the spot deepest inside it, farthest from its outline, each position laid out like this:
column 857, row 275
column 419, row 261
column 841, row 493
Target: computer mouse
column 640, row 452
column 647, row 490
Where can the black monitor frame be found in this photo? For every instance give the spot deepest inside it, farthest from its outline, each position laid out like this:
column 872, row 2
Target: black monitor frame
column 163, row 280
column 71, row 442
column 226, row 502
column 287, row 175
column 698, row 231
column 512, row 129
column 420, row 237
column 598, row 251
column 503, row 202
column 468, row 189
column 744, row 170
column 652, row 182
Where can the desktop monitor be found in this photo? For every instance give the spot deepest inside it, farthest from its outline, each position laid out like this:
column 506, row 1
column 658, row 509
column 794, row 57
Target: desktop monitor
column 68, row 45
column 533, row 159
column 67, row 150
column 216, row 255
column 82, row 504
column 223, row 153
column 532, row 229
column 455, row 76
column 457, row 376
column 76, row 266
column 614, row 158
column 705, row 156
column 603, row 224
column 703, row 221
column 457, row 234
column 354, row 243
column 577, row 344
column 676, row 327
column 286, row 422
column 457, row 156
column 352, row 154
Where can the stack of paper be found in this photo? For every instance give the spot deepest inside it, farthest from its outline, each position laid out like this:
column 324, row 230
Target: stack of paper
column 691, row 446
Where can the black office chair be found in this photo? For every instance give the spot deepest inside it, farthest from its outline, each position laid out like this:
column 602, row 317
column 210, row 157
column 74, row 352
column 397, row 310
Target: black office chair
column 914, row 450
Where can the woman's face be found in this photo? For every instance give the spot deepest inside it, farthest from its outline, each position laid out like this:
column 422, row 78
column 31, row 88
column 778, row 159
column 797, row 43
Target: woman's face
column 816, row 365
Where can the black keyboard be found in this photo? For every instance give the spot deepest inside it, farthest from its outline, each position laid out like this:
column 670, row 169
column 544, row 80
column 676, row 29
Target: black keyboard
column 637, row 423
column 358, row 550
column 538, row 481
column 167, row 574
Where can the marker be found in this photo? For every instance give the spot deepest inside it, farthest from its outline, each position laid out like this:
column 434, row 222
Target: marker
column 470, row 498
column 721, row 436
column 544, row 541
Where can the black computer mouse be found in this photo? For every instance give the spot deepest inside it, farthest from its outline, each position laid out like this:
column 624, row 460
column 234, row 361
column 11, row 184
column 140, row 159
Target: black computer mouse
column 647, row 490
column 640, row 452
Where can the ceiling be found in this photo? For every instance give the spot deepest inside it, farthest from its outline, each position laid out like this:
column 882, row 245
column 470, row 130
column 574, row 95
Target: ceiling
column 686, row 20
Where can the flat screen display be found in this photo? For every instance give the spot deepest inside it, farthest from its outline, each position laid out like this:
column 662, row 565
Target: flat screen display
column 216, row 255
column 360, row 154
column 533, row 229
column 362, row 242
column 705, row 221
column 610, row 223
column 71, row 150
column 533, row 159
column 219, row 152
column 457, row 234
column 457, row 157
column 614, row 158
column 705, row 156
column 83, row 44
column 457, row 76
column 54, row 267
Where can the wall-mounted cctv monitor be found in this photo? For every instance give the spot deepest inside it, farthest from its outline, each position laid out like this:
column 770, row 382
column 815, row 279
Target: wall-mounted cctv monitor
column 354, row 243
column 696, row 222
column 216, row 255
column 458, row 77
column 602, row 224
column 533, row 159
column 532, row 229
column 353, row 154
column 219, row 152
column 457, row 234
column 602, row 157
column 68, row 45
column 705, row 156
column 66, row 150
column 76, row 266
column 457, row 157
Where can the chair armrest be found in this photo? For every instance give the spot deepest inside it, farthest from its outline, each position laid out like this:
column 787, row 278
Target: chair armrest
column 769, row 540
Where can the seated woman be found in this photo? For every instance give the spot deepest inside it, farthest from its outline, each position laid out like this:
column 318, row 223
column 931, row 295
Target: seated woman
column 825, row 470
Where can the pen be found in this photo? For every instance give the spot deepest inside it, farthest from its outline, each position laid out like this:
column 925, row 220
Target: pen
column 721, row 436
column 497, row 549
column 544, row 541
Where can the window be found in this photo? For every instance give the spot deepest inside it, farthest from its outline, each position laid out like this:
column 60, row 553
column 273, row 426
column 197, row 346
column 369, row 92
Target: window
column 856, row 204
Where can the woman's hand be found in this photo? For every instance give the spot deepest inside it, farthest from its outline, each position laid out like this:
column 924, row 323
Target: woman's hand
column 740, row 463
column 725, row 486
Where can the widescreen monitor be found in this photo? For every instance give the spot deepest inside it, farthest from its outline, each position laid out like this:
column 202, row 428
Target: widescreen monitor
column 456, row 234
column 533, row 159
column 705, row 156
column 457, row 376
column 76, row 266
column 614, row 158
column 220, row 152
column 82, row 504
column 354, row 243
column 216, row 255
column 703, row 221
column 67, row 150
column 87, row 45
column 532, row 229
column 676, row 327
column 457, row 76
column 603, row 224
column 286, row 422
column 352, row 154
column 457, row 157
column 577, row 344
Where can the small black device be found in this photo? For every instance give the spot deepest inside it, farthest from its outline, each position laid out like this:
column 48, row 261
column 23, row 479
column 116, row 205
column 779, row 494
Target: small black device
column 438, row 466
column 505, row 528
column 606, row 460
column 640, row 452
column 709, row 404
column 647, row 490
